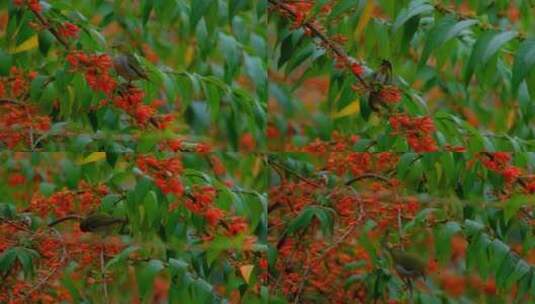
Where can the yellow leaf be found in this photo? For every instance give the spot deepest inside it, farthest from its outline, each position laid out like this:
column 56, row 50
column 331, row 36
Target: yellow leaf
column 93, row 157
column 190, row 52
column 27, row 45
column 350, row 109
column 364, row 18
column 246, row 271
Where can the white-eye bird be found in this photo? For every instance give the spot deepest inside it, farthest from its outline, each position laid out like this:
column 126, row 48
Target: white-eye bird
column 126, row 64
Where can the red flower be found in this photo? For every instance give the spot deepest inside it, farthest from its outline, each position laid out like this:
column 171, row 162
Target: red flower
column 213, row 215
column 165, row 173
column 35, row 5
column 247, row 142
column 530, row 187
column 96, row 69
column 511, row 173
column 417, row 131
column 68, row 30
column 143, row 113
column 175, row 144
column 390, row 94
column 202, row 148
column 357, row 69
column 16, row 179
column 237, row 225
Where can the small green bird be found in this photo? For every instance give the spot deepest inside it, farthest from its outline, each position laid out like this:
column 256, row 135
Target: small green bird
column 126, row 64
column 99, row 222
column 407, row 265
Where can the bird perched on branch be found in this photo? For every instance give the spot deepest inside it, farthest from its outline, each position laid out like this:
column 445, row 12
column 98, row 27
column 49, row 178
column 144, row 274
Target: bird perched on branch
column 95, row 222
column 380, row 78
column 409, row 266
column 127, row 65
column 99, row 222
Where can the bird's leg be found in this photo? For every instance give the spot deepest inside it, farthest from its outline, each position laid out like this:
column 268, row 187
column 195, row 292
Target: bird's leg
column 409, row 287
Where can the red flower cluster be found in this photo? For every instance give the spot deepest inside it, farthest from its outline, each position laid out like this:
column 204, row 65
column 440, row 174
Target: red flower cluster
column 339, row 143
column 300, row 9
column 213, row 215
column 96, row 68
column 237, row 225
column 17, row 84
column 68, row 30
column 247, row 142
column 60, row 204
column 16, row 179
column 90, row 196
column 499, row 163
column 417, row 130
column 19, row 122
column 164, row 171
column 131, row 102
column 390, row 94
column 34, row 5
column 357, row 69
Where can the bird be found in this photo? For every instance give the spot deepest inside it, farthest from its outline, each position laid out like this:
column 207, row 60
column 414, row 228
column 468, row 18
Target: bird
column 408, row 265
column 381, row 77
column 127, row 65
column 383, row 74
column 99, row 222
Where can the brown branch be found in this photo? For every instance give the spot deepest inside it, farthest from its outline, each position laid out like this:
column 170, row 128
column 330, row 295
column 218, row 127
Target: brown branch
column 65, row 218
column 368, row 176
column 52, row 30
column 334, row 47
column 299, row 176
column 12, row 101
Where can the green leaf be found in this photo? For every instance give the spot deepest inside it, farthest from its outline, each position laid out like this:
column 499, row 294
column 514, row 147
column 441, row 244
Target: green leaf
column 524, row 62
column 198, row 9
column 234, row 6
column 485, row 47
column 152, row 208
column 213, row 98
column 122, row 256
column 7, row 258
column 443, row 239
column 353, row 279
column 145, row 277
column 26, row 257
column 6, row 60
column 512, row 205
column 256, row 70
column 443, row 31
column 342, row 6
column 147, row 8
column 415, row 8
column 302, row 220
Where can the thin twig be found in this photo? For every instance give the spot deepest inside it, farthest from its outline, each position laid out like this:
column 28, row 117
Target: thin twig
column 339, row 51
column 52, row 30
column 299, row 176
column 368, row 176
